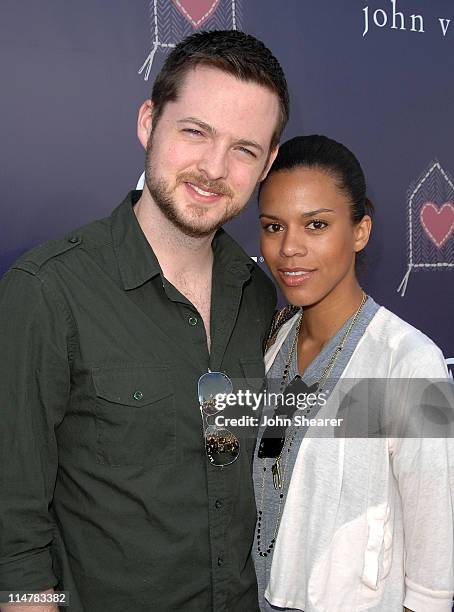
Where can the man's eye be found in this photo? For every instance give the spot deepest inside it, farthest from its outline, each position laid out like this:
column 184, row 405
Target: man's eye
column 272, row 228
column 192, row 131
column 317, row 225
column 247, row 152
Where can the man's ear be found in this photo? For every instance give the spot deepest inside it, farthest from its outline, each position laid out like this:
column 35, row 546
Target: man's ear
column 362, row 233
column 145, row 122
column 269, row 162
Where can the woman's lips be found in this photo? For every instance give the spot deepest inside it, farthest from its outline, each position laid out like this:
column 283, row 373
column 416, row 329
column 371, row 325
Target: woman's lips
column 202, row 195
column 296, row 276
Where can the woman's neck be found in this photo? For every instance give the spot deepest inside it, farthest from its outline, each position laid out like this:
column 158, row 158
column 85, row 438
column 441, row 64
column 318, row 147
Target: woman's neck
column 323, row 320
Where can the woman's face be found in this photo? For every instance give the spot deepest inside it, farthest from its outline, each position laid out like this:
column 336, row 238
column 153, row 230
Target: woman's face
column 308, row 239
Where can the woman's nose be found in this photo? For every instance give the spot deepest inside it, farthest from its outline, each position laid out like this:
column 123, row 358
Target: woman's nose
column 293, row 244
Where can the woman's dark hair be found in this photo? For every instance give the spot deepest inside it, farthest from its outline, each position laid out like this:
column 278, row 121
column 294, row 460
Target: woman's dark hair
column 332, row 157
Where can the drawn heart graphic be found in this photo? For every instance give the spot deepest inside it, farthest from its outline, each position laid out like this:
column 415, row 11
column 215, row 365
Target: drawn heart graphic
column 438, row 223
column 196, row 11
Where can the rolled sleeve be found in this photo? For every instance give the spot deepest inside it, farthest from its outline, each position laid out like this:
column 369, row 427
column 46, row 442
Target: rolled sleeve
column 425, row 472
column 418, row 598
column 34, row 389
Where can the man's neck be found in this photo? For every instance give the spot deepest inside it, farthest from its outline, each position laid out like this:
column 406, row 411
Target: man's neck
column 177, row 253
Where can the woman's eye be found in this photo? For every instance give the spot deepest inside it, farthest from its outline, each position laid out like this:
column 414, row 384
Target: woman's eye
column 317, row 225
column 272, row 228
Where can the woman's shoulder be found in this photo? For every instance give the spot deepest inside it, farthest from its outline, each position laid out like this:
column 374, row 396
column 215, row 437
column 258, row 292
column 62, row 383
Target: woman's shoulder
column 404, row 341
column 396, row 330
column 281, row 317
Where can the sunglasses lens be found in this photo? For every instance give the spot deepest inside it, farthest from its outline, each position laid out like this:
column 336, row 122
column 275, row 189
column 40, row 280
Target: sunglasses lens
column 222, row 446
column 210, row 385
column 271, row 447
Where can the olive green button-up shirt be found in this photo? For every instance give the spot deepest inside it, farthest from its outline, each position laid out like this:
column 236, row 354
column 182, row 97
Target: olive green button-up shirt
column 105, row 488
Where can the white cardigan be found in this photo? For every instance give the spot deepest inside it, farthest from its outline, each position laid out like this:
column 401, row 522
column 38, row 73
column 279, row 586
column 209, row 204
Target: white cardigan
column 340, row 546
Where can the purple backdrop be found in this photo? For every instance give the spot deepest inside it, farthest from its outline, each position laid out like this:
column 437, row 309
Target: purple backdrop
column 71, row 92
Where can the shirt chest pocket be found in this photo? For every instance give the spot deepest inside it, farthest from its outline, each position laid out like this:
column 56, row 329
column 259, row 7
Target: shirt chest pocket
column 135, row 416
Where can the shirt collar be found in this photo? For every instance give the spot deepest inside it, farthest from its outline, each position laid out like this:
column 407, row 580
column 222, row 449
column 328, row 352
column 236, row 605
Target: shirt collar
column 137, row 262
column 230, row 258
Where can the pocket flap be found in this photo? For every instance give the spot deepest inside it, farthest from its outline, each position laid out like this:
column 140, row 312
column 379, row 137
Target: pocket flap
column 133, row 386
column 376, row 520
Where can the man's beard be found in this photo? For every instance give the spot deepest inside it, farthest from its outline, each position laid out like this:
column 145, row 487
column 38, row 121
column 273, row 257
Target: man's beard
column 195, row 226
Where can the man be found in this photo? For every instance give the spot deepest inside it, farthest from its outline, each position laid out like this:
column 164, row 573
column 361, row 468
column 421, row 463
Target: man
column 106, row 489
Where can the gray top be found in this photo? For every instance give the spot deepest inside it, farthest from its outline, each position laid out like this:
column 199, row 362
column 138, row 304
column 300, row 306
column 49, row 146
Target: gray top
column 271, row 496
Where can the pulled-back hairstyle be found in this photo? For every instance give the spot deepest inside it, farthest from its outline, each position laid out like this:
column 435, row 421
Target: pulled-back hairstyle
column 234, row 52
column 334, row 158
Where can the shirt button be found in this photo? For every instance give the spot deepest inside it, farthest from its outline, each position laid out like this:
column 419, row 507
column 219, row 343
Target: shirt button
column 192, row 321
column 220, row 561
column 73, row 240
column 218, row 504
column 138, row 395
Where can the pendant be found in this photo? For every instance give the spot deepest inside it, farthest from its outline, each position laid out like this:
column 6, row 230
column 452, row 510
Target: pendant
column 277, row 474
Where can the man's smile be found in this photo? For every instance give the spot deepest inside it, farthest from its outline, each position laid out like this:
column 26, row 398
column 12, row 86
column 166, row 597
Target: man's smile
column 201, row 195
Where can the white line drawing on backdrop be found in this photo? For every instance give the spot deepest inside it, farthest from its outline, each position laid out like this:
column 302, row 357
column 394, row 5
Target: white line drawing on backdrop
column 450, row 362
column 173, row 20
column 430, row 228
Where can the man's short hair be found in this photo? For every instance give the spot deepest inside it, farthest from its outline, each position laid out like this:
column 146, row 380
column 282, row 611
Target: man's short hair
column 234, row 52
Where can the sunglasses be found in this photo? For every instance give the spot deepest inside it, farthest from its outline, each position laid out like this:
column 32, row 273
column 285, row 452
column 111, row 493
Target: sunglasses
column 273, row 437
column 221, row 445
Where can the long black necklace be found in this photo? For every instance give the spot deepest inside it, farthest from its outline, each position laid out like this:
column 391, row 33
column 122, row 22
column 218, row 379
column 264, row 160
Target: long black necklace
column 279, row 473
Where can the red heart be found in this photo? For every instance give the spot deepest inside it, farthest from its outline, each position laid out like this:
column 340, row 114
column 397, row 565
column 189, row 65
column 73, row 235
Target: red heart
column 196, row 11
column 438, row 223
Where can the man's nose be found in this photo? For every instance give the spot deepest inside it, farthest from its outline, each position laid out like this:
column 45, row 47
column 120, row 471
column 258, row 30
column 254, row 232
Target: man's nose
column 213, row 162
column 293, row 243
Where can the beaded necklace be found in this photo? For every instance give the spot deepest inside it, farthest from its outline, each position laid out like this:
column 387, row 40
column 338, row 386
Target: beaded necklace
column 278, row 473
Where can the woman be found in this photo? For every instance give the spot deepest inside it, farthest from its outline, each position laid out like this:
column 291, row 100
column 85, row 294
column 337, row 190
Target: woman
column 344, row 523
